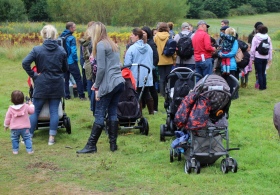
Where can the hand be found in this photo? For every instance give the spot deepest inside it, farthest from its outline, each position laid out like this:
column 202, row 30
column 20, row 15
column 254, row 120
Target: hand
column 6, row 128
column 96, row 94
column 269, row 63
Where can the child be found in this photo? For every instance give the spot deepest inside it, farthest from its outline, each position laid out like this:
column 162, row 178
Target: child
column 17, row 119
column 228, row 39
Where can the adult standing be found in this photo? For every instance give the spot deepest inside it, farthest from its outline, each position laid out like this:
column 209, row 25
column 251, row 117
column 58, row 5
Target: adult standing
column 147, row 32
column 254, row 32
column 141, row 53
column 202, row 49
column 165, row 62
column 224, row 22
column 72, row 60
column 189, row 63
column 260, row 59
column 108, row 86
column 51, row 62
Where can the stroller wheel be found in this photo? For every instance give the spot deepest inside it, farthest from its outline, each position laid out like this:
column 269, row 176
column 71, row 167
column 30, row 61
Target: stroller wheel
column 188, row 167
column 224, row 166
column 162, row 133
column 145, row 127
column 234, row 165
column 197, row 167
column 67, row 124
column 179, row 156
column 171, row 155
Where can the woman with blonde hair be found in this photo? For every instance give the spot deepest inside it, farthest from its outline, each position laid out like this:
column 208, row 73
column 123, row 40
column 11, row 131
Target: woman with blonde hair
column 51, row 62
column 108, row 86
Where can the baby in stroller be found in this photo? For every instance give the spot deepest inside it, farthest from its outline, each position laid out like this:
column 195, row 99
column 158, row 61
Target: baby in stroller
column 202, row 118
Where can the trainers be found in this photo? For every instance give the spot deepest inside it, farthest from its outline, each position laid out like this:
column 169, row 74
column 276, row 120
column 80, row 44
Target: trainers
column 15, row 152
column 31, row 152
column 51, row 141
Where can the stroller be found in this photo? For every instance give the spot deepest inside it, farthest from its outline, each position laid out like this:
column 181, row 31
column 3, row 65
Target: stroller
column 129, row 111
column 178, row 84
column 44, row 116
column 202, row 117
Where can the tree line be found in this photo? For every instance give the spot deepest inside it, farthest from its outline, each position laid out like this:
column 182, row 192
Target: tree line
column 129, row 12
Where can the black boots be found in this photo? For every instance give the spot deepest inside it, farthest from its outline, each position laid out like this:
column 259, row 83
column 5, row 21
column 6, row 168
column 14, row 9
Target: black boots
column 113, row 134
column 150, row 105
column 92, row 140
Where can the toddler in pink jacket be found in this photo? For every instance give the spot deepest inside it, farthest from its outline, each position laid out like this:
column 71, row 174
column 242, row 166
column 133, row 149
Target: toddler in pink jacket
column 17, row 119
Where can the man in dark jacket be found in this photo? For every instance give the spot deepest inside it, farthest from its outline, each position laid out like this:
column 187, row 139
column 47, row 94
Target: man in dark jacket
column 72, row 60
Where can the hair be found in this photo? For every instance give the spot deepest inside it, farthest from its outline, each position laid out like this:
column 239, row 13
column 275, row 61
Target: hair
column 153, row 30
column 230, row 31
column 98, row 33
column 148, row 31
column 87, row 33
column 48, row 32
column 163, row 27
column 225, row 21
column 69, row 25
column 138, row 32
column 262, row 29
column 257, row 24
column 170, row 25
column 17, row 97
column 90, row 23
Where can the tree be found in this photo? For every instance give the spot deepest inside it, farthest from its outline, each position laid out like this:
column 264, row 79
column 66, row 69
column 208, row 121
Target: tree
column 39, row 11
column 260, row 5
column 196, row 6
column 273, row 5
column 219, row 7
column 12, row 10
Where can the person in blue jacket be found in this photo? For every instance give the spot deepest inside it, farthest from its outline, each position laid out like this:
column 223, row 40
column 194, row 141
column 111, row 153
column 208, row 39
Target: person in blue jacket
column 72, row 59
column 141, row 53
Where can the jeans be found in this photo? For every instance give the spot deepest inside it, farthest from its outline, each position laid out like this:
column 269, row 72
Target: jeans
column 204, row 67
column 53, row 109
column 191, row 66
column 163, row 71
column 75, row 71
column 260, row 66
column 24, row 133
column 109, row 103
column 91, row 95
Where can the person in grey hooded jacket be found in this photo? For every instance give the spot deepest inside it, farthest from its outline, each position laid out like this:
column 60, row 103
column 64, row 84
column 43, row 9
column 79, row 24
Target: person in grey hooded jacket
column 141, row 53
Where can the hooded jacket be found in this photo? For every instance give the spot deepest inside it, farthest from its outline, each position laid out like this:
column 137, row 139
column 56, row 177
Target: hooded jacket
column 71, row 46
column 17, row 116
column 160, row 40
column 51, row 62
column 140, row 53
column 231, row 55
column 255, row 43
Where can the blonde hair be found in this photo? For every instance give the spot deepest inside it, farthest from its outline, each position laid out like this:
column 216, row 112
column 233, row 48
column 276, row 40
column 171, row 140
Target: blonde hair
column 97, row 32
column 230, row 31
column 49, row 32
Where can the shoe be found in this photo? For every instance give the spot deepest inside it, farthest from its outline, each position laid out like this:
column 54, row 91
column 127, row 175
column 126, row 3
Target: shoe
column 15, row 152
column 31, row 152
column 68, row 98
column 83, row 99
column 155, row 111
column 51, row 141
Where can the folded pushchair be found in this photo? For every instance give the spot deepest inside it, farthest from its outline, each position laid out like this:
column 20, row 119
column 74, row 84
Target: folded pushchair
column 178, row 84
column 129, row 112
column 44, row 116
column 202, row 120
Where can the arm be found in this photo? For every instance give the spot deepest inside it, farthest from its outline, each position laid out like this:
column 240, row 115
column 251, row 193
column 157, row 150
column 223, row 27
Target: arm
column 101, row 63
column 73, row 48
column 7, row 120
column 82, row 60
column 207, row 43
column 253, row 49
column 26, row 64
column 128, row 59
column 233, row 51
column 31, row 108
column 270, row 50
column 155, row 53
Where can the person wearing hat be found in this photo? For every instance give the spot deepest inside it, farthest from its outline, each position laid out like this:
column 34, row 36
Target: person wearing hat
column 202, row 49
column 189, row 63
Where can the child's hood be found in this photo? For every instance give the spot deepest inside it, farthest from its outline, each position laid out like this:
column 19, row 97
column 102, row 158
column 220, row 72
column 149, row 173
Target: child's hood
column 18, row 110
column 261, row 37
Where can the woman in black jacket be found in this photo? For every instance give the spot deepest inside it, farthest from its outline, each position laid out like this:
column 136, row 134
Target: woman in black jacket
column 51, row 62
column 148, row 33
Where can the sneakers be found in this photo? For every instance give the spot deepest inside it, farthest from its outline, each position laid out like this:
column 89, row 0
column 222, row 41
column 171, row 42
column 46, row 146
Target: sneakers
column 15, row 152
column 51, row 141
column 31, row 152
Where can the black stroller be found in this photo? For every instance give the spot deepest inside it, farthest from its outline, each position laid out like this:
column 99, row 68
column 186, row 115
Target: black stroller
column 178, row 84
column 129, row 111
column 202, row 118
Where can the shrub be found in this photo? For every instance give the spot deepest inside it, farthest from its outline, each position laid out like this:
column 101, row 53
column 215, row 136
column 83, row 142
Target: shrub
column 259, row 5
column 207, row 14
column 219, row 7
column 273, row 5
column 12, row 10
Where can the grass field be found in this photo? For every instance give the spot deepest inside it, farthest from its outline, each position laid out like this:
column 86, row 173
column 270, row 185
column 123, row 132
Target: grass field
column 141, row 165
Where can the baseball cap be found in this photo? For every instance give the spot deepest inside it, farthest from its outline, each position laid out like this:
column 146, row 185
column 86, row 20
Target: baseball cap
column 185, row 25
column 202, row 22
column 224, row 28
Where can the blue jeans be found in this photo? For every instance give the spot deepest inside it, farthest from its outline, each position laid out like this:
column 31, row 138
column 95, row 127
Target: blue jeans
column 260, row 66
column 204, row 68
column 191, row 66
column 24, row 133
column 54, row 118
column 91, row 95
column 75, row 71
column 109, row 103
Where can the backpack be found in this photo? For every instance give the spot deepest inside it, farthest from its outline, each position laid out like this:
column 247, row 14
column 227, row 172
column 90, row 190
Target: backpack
column 184, row 46
column 169, row 48
column 245, row 60
column 62, row 42
column 242, row 45
column 263, row 47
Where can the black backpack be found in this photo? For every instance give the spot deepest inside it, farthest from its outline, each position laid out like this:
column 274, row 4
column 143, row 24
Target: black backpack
column 242, row 45
column 263, row 47
column 62, row 42
column 245, row 60
column 169, row 48
column 184, row 46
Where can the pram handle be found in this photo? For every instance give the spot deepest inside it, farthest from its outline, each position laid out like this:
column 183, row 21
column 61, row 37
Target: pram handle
column 129, row 66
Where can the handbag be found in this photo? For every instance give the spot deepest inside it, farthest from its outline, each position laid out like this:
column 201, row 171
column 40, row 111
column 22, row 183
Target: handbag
column 239, row 55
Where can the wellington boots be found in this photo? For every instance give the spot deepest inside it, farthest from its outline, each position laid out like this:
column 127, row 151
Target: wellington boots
column 228, row 70
column 224, row 70
column 150, row 105
column 113, row 134
column 92, row 140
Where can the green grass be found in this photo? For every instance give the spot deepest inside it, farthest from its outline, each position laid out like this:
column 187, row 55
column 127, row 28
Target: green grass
column 141, row 165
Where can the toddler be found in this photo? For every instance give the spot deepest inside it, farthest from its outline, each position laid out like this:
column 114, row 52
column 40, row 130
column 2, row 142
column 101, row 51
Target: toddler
column 17, row 119
column 228, row 39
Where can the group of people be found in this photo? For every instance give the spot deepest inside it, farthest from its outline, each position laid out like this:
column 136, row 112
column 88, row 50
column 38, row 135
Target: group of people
column 100, row 59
